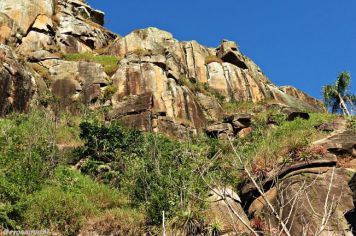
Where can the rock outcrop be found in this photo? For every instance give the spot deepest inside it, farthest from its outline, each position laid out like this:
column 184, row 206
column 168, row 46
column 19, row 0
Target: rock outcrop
column 16, row 83
column 181, row 85
column 174, row 72
column 55, row 26
column 306, row 198
column 221, row 201
column 340, row 142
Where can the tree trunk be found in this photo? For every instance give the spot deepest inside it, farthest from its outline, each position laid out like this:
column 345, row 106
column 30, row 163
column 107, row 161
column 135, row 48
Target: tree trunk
column 351, row 104
column 343, row 106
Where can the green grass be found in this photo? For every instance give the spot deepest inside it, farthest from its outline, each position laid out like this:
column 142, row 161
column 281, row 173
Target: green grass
column 67, row 201
column 110, row 63
column 285, row 143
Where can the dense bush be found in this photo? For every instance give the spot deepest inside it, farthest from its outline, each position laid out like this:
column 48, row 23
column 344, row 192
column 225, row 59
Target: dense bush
column 27, row 158
column 36, row 191
column 158, row 173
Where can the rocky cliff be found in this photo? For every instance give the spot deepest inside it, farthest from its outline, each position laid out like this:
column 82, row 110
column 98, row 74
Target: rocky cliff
column 160, row 84
column 57, row 54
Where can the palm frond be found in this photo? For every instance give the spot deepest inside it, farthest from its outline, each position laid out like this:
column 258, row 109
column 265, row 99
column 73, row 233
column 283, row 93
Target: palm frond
column 330, row 93
column 343, row 82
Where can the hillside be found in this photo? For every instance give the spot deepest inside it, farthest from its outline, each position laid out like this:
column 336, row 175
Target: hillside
column 144, row 135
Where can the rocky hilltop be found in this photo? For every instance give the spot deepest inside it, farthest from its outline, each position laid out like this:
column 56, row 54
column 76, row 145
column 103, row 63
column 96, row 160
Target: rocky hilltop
column 160, row 84
column 297, row 176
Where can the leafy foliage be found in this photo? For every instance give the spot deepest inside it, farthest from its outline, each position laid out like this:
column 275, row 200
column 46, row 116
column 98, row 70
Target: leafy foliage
column 158, row 173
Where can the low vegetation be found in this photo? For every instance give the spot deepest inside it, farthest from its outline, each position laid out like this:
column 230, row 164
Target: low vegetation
column 127, row 178
column 265, row 147
column 198, row 87
column 110, row 63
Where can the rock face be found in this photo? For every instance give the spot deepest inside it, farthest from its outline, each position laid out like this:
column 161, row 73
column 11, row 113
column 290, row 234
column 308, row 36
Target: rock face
column 80, row 27
column 154, row 62
column 224, row 200
column 8, row 29
column 180, row 85
column 25, row 12
column 41, row 31
column 305, row 195
column 312, row 198
column 340, row 142
column 296, row 93
column 53, row 25
column 16, row 84
column 86, row 79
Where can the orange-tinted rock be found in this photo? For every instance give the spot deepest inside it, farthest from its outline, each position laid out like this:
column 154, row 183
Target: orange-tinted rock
column 25, row 12
column 16, row 83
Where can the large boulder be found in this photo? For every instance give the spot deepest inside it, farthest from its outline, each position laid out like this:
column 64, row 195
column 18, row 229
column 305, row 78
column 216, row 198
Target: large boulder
column 25, row 12
column 16, row 83
column 312, row 201
column 220, row 130
column 84, row 78
column 225, row 210
column 340, row 142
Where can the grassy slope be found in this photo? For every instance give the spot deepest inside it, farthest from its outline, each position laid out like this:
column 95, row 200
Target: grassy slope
column 39, row 189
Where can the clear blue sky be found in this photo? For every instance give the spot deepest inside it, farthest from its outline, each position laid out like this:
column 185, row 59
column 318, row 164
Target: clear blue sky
column 304, row 43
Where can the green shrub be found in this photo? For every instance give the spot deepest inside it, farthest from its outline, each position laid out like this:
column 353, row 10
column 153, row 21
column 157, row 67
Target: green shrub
column 27, row 154
column 155, row 172
column 109, row 92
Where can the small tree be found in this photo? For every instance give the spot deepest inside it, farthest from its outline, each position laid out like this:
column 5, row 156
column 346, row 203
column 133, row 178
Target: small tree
column 337, row 95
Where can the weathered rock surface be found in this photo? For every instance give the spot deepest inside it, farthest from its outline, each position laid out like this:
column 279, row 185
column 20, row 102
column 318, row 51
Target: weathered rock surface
column 16, row 84
column 170, row 100
column 84, row 78
column 25, row 12
column 302, row 96
column 312, row 197
column 337, row 125
column 224, row 204
column 305, row 195
column 54, row 25
column 340, row 142
column 8, row 30
column 155, row 62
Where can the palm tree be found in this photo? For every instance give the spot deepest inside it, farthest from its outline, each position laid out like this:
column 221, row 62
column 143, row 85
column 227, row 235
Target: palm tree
column 337, row 96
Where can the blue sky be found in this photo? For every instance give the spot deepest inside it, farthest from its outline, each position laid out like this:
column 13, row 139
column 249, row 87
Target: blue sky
column 303, row 43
